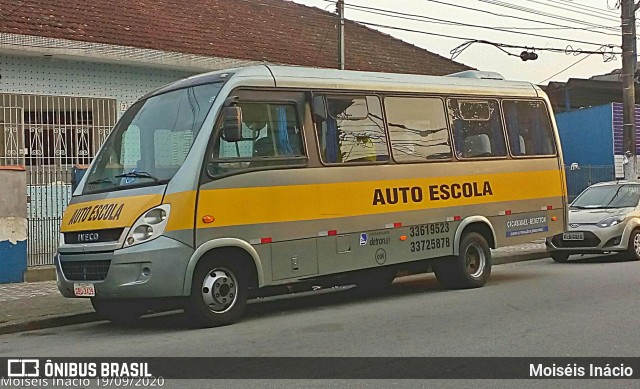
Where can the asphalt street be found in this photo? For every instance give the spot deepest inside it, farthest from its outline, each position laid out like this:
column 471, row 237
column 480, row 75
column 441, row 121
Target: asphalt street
column 585, row 308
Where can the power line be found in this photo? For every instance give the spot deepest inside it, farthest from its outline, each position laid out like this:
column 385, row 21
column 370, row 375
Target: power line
column 536, row 12
column 585, row 6
column 575, row 8
column 565, row 69
column 505, row 15
column 425, row 19
column 456, row 51
column 566, row 50
column 409, row 16
column 616, row 5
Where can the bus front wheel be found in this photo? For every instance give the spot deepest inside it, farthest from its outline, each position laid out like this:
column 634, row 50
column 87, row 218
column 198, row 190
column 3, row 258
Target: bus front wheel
column 470, row 268
column 218, row 293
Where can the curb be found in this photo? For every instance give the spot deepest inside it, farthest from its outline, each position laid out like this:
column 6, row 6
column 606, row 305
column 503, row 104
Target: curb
column 40, row 273
column 86, row 317
column 502, row 260
column 50, row 322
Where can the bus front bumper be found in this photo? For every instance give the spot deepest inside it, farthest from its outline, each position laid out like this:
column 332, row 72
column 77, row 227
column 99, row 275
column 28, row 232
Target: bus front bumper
column 148, row 270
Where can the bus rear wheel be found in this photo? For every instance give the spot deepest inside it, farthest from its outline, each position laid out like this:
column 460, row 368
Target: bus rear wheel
column 122, row 312
column 470, row 268
column 218, row 292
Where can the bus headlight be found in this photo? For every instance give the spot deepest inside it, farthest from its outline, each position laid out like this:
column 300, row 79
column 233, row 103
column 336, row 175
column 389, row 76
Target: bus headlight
column 148, row 226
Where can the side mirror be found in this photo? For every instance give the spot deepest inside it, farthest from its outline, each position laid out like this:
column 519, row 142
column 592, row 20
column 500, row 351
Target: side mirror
column 232, row 124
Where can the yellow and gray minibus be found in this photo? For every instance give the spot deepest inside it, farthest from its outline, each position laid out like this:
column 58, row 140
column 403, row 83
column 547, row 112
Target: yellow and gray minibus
column 220, row 186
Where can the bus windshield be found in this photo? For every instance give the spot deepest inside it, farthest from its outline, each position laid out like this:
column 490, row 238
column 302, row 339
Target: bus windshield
column 151, row 140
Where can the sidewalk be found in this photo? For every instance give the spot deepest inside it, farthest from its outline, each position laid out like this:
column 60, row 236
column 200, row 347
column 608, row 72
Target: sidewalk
column 37, row 305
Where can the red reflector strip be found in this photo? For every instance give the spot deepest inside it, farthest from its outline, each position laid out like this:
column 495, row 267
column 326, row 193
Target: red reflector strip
column 507, row 212
column 265, row 240
column 457, row 218
column 549, row 207
column 397, row 225
column 332, row 232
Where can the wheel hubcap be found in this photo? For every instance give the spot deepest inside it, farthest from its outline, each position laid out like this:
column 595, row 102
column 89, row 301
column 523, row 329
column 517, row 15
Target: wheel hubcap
column 220, row 290
column 636, row 244
column 475, row 260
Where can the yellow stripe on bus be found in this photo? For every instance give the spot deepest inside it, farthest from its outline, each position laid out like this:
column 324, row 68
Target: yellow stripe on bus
column 272, row 204
column 182, row 210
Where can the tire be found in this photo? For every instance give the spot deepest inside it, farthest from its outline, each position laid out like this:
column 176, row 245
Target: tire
column 633, row 250
column 219, row 292
column 121, row 312
column 469, row 269
column 560, row 257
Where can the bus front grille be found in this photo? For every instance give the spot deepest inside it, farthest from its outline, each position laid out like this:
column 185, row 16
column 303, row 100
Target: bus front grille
column 85, row 270
column 95, row 236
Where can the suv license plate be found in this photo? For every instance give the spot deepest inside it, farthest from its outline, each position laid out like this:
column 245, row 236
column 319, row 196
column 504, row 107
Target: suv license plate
column 573, row 236
column 84, row 290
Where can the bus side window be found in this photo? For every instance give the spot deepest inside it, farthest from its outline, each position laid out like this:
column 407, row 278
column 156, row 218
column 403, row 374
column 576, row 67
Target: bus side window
column 350, row 129
column 271, row 136
column 528, row 128
column 417, row 128
column 477, row 128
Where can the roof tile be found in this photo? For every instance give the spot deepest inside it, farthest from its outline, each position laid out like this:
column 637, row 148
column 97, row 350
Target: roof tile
column 267, row 30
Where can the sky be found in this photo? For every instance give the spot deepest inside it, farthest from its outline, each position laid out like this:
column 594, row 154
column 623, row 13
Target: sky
column 578, row 25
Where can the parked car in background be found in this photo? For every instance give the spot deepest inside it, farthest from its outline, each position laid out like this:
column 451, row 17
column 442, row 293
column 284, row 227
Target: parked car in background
column 604, row 218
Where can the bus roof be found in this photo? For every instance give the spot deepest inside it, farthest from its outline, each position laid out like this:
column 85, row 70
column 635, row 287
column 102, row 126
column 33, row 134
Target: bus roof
column 327, row 79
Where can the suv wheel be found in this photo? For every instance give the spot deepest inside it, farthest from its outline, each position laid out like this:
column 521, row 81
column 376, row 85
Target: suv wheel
column 633, row 250
column 560, row 257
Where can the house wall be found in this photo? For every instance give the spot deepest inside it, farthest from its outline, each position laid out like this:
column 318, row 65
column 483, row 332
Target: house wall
column 51, row 76
column 586, row 136
column 38, row 86
column 13, row 224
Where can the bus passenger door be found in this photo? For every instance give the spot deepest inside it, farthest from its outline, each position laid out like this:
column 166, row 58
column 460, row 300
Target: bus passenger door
column 248, row 188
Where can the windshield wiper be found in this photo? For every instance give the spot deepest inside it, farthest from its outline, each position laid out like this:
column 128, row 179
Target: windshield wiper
column 615, row 195
column 139, row 175
column 104, row 180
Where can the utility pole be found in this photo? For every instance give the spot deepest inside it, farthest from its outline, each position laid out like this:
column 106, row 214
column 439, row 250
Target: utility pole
column 340, row 9
column 629, row 61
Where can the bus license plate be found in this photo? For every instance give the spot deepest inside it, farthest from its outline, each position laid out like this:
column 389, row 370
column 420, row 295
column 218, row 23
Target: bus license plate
column 573, row 236
column 84, row 290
